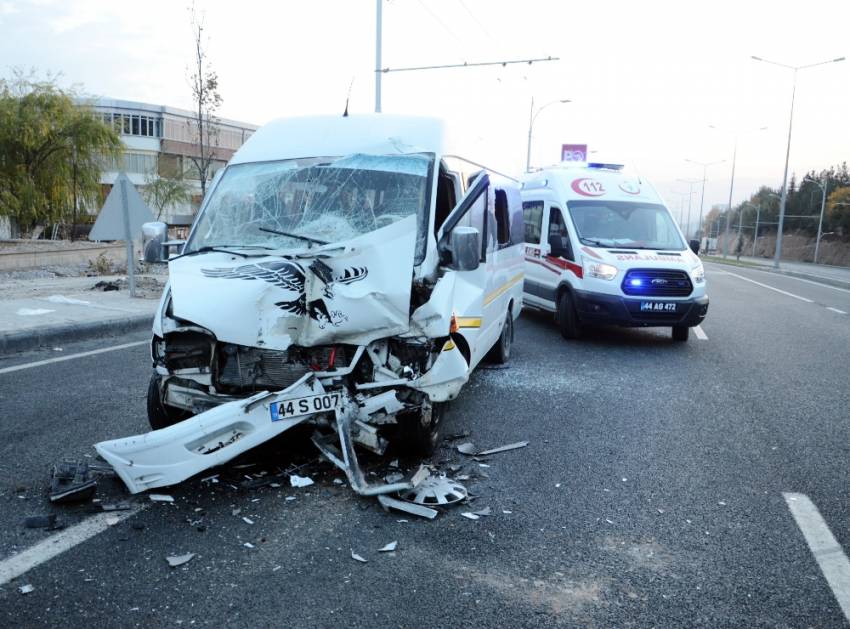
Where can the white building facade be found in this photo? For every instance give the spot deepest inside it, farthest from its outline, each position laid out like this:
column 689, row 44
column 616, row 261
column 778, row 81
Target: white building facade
column 160, row 141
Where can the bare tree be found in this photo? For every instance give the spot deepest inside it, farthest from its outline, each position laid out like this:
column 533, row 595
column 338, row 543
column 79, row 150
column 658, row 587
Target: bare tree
column 204, row 82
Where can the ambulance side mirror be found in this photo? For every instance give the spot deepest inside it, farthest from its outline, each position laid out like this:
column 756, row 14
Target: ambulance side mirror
column 154, row 235
column 558, row 248
column 694, row 245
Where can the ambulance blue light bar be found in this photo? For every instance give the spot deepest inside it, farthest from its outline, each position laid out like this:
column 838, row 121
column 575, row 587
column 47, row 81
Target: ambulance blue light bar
column 606, row 166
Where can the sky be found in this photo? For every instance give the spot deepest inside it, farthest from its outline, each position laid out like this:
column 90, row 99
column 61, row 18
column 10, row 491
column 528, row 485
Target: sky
column 646, row 79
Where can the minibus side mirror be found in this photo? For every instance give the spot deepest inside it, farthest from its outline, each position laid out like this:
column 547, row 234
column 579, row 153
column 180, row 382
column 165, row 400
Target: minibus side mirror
column 694, row 245
column 465, row 248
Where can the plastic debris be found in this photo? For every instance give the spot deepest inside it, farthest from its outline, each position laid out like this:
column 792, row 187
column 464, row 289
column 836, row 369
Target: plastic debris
column 506, row 511
column 394, row 463
column 407, row 507
column 470, row 516
column 389, row 548
column 435, row 490
column 395, row 477
column 290, row 498
column 510, row 446
column 26, row 589
column 116, row 506
column 161, row 497
column 357, row 557
column 338, row 481
column 72, row 481
column 466, row 448
column 248, row 545
column 484, row 511
column 300, row 481
column 179, row 560
column 112, row 520
column 40, row 521
column 247, row 520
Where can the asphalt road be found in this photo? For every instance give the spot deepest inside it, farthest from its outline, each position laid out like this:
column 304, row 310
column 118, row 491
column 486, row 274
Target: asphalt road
column 650, row 494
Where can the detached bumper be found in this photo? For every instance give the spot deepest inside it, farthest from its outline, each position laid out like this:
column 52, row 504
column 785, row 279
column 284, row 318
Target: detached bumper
column 598, row 309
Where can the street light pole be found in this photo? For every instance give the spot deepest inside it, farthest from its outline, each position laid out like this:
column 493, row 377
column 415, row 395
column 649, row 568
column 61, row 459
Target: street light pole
column 532, row 116
column 823, row 188
column 690, row 183
column 783, row 199
column 705, row 166
column 731, row 182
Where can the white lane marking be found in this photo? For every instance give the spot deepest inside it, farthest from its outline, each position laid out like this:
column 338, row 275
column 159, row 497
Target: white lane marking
column 835, row 310
column 778, row 290
column 826, row 550
column 59, row 359
column 701, row 335
column 790, row 277
column 47, row 549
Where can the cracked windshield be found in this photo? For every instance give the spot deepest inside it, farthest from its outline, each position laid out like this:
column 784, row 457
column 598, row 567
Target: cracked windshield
column 281, row 204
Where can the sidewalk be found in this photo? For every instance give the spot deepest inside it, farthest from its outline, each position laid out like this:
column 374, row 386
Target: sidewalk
column 54, row 310
column 838, row 276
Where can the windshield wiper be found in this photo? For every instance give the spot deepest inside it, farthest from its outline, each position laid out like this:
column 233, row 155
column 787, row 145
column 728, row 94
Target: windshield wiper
column 291, row 235
column 597, row 243
column 219, row 248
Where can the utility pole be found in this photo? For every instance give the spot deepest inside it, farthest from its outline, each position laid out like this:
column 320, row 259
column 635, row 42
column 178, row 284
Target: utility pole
column 378, row 72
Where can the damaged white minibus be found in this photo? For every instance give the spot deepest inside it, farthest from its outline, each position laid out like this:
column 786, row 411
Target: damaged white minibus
column 346, row 272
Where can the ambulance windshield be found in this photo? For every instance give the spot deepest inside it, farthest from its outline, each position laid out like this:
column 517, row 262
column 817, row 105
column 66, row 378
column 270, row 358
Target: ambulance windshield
column 625, row 224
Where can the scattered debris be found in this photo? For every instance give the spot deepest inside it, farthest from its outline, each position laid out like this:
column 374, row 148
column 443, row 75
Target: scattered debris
column 389, row 548
column 483, row 512
column 722, row 503
column 290, row 498
column 210, row 479
column 247, row 520
column 510, row 446
column 609, row 521
column 161, row 497
column 394, row 463
column 235, row 512
column 466, row 448
column 661, row 511
column 435, row 490
column 72, row 481
column 116, row 506
column 470, row 516
column 357, row 557
column 506, row 512
column 414, row 509
column 26, row 589
column 338, row 481
column 106, row 286
column 112, row 520
column 179, row 560
column 300, row 481
column 248, row 545
column 40, row 521
column 394, row 477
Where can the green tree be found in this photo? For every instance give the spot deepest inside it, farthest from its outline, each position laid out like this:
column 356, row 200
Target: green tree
column 165, row 190
column 51, row 151
column 838, row 210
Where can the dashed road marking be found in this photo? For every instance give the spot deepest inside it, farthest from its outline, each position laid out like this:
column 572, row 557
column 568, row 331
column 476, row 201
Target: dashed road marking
column 47, row 549
column 59, row 359
column 835, row 310
column 826, row 550
column 773, row 288
column 701, row 335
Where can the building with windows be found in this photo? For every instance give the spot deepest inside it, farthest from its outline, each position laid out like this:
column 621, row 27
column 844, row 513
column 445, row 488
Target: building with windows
column 160, row 141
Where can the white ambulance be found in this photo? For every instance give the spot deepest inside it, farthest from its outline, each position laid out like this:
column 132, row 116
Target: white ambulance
column 602, row 248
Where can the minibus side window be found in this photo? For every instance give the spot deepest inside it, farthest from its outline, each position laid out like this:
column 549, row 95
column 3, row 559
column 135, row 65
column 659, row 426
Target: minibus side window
column 503, row 219
column 532, row 219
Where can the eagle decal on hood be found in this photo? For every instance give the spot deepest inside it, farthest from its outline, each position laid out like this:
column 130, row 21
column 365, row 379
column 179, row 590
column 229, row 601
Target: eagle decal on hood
column 291, row 277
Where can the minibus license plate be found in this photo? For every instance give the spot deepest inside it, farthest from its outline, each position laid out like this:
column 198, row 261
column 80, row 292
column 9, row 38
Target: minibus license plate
column 305, row 406
column 657, row 306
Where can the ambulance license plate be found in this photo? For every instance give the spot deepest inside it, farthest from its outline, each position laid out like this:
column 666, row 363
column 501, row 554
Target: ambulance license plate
column 285, row 409
column 658, row 306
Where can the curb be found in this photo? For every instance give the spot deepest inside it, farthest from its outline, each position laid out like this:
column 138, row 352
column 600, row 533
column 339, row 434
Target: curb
column 11, row 342
column 820, row 279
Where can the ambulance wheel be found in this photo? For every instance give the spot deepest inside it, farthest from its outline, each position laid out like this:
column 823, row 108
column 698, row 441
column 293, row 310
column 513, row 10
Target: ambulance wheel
column 500, row 353
column 160, row 415
column 419, row 431
column 567, row 318
column 680, row 333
